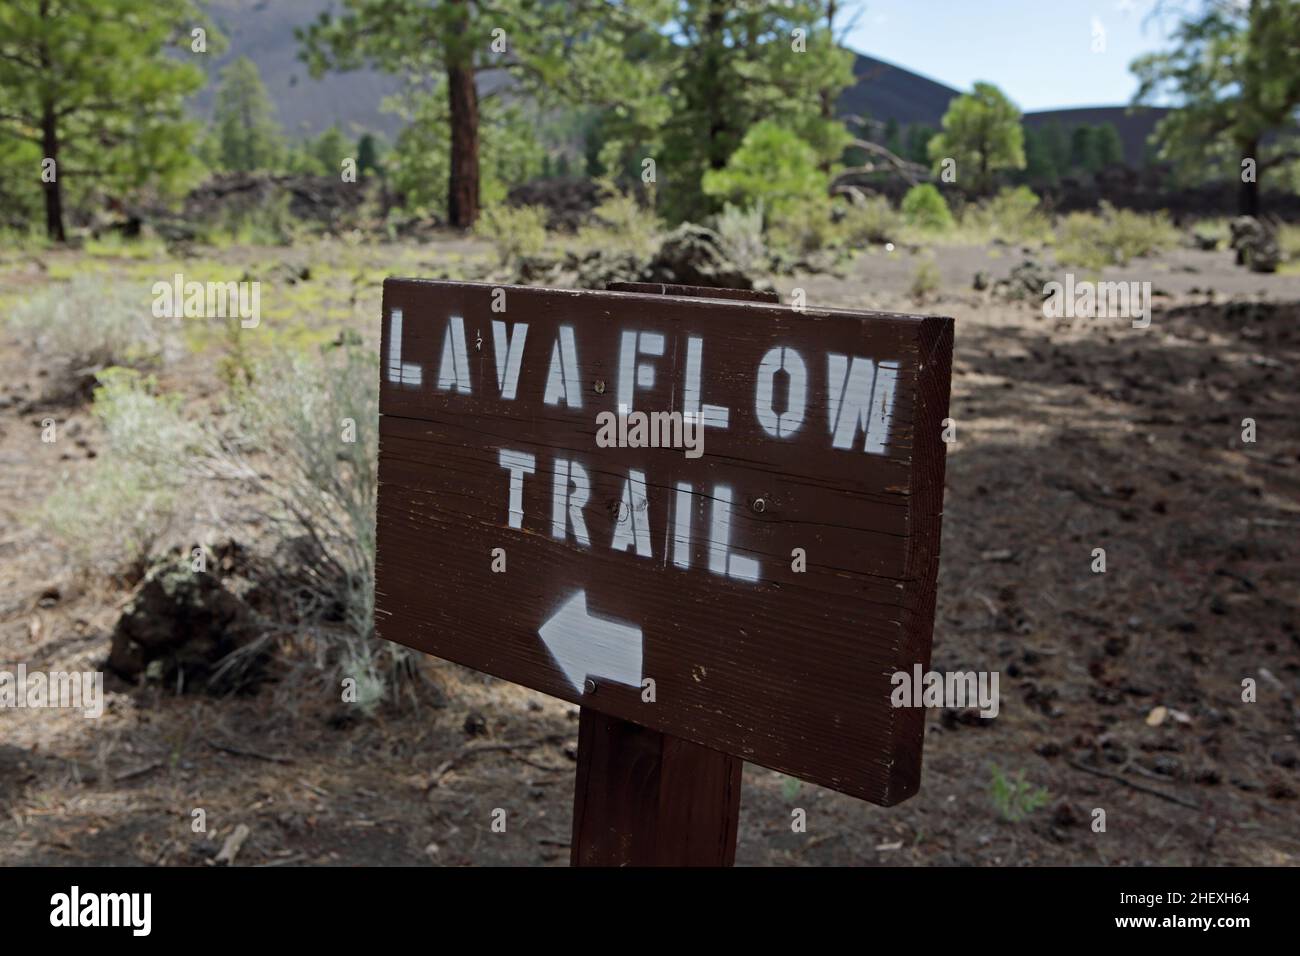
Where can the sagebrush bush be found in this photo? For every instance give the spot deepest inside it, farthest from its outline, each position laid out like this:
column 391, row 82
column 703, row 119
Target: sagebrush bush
column 925, row 208
column 925, row 280
column 621, row 225
column 318, row 420
column 802, row 228
column 92, row 323
column 870, row 219
column 1111, row 237
column 741, row 232
column 300, row 439
column 111, row 518
column 514, row 231
column 269, row 223
column 1013, row 215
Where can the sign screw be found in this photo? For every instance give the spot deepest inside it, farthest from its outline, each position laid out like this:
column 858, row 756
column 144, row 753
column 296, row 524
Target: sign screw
column 589, row 687
column 600, row 386
column 760, row 505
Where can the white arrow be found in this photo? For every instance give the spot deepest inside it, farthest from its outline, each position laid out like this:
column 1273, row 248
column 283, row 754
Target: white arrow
column 584, row 646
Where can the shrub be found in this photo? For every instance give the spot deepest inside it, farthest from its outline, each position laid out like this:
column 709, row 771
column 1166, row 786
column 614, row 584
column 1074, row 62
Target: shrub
column 1288, row 238
column 924, row 207
column 925, row 280
column 319, row 420
column 110, row 519
column 514, row 231
column 802, row 228
column 300, row 440
column 1013, row 797
column 1210, row 234
column 870, row 220
column 741, row 231
column 622, row 225
column 1112, row 237
column 1013, row 215
column 92, row 323
column 270, row 223
column 775, row 167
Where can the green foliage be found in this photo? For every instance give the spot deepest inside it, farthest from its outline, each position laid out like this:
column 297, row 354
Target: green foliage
column 622, row 225
column 319, row 419
column 741, row 231
column 245, row 136
column 330, row 149
column 1040, row 163
column 772, row 166
column 1013, row 215
column 514, row 231
column 1113, row 237
column 1055, row 143
column 1234, row 76
column 1109, row 147
column 299, row 439
column 924, row 207
column 20, row 204
column 111, row 518
column 982, row 132
column 790, row 787
column 1014, row 797
column 1051, row 152
column 369, row 155
column 917, row 145
column 541, row 44
column 893, row 137
column 98, row 77
column 269, row 224
column 734, row 67
column 804, row 227
column 1083, row 151
column 1288, row 240
column 926, row 280
column 871, row 220
column 420, row 161
column 89, row 324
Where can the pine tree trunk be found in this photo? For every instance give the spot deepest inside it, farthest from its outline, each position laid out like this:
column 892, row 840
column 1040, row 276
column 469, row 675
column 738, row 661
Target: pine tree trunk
column 715, row 21
column 53, row 193
column 463, row 183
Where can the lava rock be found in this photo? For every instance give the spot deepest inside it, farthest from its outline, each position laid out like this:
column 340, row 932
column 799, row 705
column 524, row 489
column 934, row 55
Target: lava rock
column 183, row 623
column 693, row 255
column 1255, row 243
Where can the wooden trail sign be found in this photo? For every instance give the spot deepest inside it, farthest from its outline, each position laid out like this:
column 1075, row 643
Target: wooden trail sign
column 752, row 594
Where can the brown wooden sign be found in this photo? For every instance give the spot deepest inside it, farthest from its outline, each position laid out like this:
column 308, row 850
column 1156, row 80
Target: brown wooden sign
column 750, row 588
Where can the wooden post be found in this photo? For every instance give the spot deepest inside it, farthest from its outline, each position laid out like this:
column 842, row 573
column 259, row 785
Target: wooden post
column 644, row 798
column 649, row 799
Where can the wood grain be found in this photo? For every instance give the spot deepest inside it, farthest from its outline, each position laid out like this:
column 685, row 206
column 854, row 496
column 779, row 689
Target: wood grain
column 644, row 798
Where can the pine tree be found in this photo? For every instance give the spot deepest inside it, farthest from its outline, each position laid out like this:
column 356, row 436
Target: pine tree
column 92, row 84
column 247, row 136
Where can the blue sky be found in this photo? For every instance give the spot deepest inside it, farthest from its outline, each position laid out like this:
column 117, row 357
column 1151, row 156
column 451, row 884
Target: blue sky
column 1039, row 52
